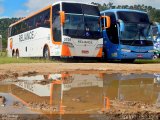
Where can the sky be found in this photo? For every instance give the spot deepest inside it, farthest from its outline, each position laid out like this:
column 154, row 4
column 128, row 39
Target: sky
column 22, row 8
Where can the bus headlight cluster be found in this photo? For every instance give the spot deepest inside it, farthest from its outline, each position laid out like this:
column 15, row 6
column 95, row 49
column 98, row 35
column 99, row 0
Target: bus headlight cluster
column 68, row 44
column 125, row 50
column 99, row 46
column 150, row 51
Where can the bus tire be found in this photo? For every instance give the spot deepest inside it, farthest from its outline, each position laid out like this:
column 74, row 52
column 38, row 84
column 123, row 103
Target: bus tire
column 46, row 54
column 155, row 57
column 17, row 53
column 13, row 53
column 104, row 56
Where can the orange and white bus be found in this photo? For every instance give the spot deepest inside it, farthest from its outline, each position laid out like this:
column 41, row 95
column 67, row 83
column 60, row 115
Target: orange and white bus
column 64, row 29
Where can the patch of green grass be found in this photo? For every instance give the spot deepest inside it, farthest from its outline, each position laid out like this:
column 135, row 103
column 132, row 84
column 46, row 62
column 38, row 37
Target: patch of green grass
column 139, row 61
column 8, row 60
column 3, row 54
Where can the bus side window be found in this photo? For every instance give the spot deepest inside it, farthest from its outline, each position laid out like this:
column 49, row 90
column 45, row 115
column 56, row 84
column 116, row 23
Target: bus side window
column 14, row 30
column 30, row 23
column 23, row 26
column 46, row 18
column 56, row 26
column 112, row 31
column 41, row 18
column 37, row 21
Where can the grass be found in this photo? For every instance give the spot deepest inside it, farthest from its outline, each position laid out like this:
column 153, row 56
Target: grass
column 7, row 60
column 146, row 61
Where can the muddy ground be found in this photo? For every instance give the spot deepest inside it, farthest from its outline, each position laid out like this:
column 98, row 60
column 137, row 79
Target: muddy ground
column 120, row 109
column 10, row 70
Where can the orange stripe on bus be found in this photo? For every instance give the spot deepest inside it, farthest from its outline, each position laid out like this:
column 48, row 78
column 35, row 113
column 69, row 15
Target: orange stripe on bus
column 100, row 52
column 65, row 51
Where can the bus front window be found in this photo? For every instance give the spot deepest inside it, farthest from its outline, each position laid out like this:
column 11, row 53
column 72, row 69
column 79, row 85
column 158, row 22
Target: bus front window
column 79, row 26
column 92, row 27
column 74, row 25
column 134, row 31
column 137, row 29
column 81, row 21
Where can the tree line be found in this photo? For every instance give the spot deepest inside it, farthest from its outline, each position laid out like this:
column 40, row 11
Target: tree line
column 4, row 24
column 153, row 13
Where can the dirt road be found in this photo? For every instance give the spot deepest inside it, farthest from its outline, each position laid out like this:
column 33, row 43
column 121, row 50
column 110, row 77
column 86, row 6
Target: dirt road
column 21, row 69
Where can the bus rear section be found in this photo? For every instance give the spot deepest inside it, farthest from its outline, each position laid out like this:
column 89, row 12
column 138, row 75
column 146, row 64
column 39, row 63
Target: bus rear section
column 129, row 36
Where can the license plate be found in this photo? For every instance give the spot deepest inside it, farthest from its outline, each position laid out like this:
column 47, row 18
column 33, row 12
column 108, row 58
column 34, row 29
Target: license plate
column 139, row 56
column 85, row 51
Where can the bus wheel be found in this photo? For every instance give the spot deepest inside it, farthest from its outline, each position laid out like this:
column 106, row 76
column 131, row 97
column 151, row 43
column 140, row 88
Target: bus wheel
column 46, row 54
column 104, row 56
column 17, row 53
column 155, row 57
column 13, row 53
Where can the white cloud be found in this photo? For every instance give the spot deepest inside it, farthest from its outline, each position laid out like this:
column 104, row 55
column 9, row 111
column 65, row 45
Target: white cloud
column 21, row 13
column 1, row 17
column 34, row 5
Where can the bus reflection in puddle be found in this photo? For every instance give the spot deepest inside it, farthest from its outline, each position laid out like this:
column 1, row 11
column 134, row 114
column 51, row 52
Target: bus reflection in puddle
column 86, row 93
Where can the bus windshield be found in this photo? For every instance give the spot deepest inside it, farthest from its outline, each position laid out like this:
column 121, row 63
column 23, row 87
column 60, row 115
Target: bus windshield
column 136, row 34
column 80, row 22
column 133, row 17
column 134, row 31
column 137, row 29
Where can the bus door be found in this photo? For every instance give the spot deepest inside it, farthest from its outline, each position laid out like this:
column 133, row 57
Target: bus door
column 111, row 39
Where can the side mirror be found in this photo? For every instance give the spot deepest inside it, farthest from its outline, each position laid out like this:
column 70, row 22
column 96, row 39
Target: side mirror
column 106, row 21
column 122, row 26
column 62, row 17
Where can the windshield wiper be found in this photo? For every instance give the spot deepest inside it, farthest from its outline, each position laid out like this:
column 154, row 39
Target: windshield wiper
column 138, row 33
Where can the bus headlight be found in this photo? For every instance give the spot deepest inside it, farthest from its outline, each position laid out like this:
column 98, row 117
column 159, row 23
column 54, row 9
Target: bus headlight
column 99, row 46
column 125, row 50
column 68, row 44
column 150, row 51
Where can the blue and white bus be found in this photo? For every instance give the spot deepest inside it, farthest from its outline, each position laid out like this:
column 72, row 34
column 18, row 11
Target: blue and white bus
column 129, row 36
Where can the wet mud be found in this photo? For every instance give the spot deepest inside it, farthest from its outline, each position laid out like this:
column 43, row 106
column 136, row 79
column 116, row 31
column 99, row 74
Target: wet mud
column 79, row 95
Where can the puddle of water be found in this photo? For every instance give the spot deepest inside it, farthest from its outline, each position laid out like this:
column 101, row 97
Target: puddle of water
column 83, row 93
column 12, row 105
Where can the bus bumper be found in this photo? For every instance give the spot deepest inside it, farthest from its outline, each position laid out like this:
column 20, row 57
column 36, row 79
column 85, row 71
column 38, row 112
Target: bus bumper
column 126, row 55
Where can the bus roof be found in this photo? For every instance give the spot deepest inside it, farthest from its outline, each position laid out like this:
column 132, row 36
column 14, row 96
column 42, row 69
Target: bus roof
column 123, row 10
column 25, row 18
column 72, row 2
